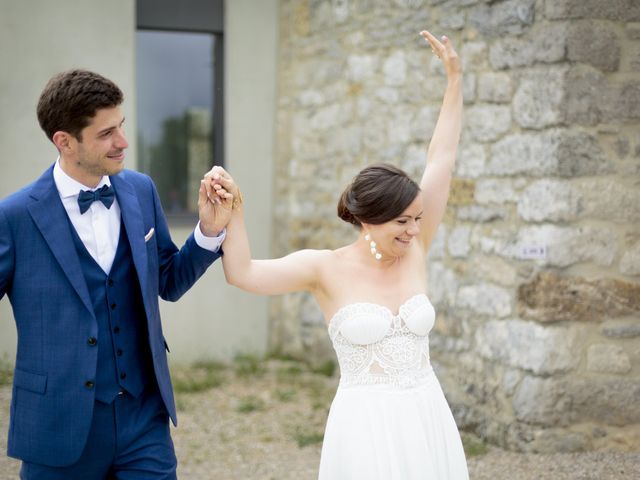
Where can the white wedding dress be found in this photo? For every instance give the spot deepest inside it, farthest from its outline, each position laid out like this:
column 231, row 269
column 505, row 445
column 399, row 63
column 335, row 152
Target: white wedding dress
column 389, row 419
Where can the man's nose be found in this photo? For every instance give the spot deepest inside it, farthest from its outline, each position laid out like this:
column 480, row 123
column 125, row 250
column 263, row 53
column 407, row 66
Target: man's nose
column 121, row 140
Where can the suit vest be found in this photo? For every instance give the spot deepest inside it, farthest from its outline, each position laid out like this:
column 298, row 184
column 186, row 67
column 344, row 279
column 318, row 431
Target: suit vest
column 124, row 356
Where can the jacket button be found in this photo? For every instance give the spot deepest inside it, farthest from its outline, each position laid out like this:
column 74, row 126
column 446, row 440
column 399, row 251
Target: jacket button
column 123, row 375
column 116, row 330
column 92, row 341
column 89, row 384
column 119, row 352
column 110, row 282
column 113, row 306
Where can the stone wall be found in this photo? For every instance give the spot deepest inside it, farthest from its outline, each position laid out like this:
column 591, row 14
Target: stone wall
column 535, row 272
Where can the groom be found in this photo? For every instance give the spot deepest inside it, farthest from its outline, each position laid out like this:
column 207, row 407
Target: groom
column 85, row 252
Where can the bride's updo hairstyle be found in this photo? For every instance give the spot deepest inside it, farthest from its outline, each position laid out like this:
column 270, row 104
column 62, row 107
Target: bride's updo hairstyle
column 378, row 194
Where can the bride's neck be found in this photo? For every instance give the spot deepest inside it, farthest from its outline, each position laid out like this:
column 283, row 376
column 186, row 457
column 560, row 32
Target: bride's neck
column 384, row 263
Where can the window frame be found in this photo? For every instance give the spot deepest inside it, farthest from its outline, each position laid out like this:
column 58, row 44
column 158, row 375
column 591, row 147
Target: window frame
column 192, row 16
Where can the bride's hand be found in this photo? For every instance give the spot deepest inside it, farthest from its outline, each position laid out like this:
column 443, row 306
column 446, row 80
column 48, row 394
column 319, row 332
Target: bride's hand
column 220, row 177
column 445, row 52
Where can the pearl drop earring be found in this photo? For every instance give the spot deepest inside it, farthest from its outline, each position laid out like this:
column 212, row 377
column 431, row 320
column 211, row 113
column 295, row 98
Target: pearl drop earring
column 372, row 244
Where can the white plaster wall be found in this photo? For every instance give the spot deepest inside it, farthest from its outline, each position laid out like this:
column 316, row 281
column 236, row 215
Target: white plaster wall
column 40, row 38
column 214, row 320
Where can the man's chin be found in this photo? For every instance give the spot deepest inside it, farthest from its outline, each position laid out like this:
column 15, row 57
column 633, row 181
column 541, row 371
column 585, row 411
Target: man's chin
column 114, row 169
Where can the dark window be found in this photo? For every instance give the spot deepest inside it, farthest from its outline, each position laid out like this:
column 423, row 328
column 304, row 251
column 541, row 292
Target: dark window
column 179, row 71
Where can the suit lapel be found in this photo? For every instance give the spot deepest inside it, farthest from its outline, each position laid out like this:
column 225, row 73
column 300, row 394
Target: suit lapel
column 134, row 226
column 51, row 219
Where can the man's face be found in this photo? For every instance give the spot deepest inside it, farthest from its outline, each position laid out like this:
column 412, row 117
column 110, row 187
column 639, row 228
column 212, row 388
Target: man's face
column 101, row 148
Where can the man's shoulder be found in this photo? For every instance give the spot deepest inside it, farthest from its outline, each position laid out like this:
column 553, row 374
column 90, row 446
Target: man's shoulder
column 134, row 177
column 18, row 199
column 36, row 188
column 139, row 182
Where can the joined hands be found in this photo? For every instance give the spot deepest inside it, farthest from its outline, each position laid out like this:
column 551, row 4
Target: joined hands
column 218, row 196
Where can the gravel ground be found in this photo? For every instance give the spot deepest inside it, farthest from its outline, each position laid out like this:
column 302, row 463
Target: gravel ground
column 264, row 421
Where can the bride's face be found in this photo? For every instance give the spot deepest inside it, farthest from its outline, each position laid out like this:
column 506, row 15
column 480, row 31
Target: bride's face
column 393, row 238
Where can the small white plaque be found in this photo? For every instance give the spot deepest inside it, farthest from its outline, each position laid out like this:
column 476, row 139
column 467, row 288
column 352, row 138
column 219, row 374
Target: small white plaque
column 533, row 252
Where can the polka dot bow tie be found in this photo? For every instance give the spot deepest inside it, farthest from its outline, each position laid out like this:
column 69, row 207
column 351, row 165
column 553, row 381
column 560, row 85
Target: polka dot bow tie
column 105, row 194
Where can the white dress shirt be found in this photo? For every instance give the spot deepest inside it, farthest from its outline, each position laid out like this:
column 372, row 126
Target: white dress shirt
column 99, row 226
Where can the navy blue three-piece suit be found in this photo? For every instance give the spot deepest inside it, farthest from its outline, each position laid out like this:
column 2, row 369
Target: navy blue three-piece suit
column 91, row 364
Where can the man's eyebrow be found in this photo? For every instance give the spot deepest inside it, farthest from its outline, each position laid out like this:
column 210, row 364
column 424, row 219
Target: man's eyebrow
column 110, row 128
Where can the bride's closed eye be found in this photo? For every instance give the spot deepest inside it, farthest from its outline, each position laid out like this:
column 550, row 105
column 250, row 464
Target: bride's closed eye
column 403, row 221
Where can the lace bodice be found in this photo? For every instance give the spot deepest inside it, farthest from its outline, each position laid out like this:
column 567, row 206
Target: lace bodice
column 374, row 346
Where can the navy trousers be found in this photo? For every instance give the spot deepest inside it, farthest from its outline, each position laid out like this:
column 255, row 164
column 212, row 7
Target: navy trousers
column 129, row 440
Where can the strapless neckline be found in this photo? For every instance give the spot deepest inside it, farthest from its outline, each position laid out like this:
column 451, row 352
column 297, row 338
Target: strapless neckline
column 378, row 305
column 369, row 322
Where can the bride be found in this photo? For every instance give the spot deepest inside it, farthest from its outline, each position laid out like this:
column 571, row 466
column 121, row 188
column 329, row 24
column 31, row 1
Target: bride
column 389, row 419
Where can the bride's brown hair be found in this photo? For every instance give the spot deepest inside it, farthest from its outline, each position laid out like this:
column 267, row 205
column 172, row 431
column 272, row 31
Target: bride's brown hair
column 378, row 194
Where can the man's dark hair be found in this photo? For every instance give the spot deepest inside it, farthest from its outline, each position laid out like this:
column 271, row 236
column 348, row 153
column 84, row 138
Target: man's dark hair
column 72, row 98
column 378, row 194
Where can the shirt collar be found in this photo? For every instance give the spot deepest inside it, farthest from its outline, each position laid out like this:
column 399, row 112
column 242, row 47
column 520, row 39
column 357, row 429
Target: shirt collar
column 69, row 187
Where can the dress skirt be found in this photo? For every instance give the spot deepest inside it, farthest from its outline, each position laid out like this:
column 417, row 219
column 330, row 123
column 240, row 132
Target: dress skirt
column 384, row 432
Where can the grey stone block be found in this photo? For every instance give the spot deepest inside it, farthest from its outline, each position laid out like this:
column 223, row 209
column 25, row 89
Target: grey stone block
column 621, row 329
column 495, row 87
column 543, row 401
column 562, row 153
column 595, row 44
column 488, row 122
column 585, row 90
column 605, row 358
column 549, row 200
column 504, row 18
column 622, row 10
column 539, row 99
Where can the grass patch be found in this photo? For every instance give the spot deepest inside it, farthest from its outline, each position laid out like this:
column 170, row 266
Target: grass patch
column 286, row 395
column 199, row 377
column 289, row 373
column 327, row 368
column 246, row 365
column 6, row 371
column 319, row 388
column 282, row 357
column 305, row 437
column 181, row 404
column 210, row 365
column 473, row 446
column 250, row 404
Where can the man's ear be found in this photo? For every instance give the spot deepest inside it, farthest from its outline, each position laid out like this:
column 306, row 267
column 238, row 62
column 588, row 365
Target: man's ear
column 64, row 141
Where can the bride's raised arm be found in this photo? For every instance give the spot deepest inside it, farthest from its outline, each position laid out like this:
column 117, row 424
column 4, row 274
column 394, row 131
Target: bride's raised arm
column 297, row 271
column 441, row 155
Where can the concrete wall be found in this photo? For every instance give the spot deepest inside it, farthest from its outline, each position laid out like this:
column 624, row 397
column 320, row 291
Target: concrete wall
column 40, row 38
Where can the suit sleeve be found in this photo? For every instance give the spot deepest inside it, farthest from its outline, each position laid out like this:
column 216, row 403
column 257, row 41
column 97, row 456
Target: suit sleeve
column 178, row 269
column 7, row 255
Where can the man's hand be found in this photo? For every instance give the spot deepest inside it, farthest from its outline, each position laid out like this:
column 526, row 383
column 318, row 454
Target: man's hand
column 214, row 208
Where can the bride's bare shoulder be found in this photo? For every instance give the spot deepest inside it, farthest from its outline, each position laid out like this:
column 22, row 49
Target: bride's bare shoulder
column 310, row 255
column 324, row 257
column 333, row 261
column 341, row 254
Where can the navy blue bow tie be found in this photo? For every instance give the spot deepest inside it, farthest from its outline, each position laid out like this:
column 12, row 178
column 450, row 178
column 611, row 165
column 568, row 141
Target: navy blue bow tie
column 86, row 197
